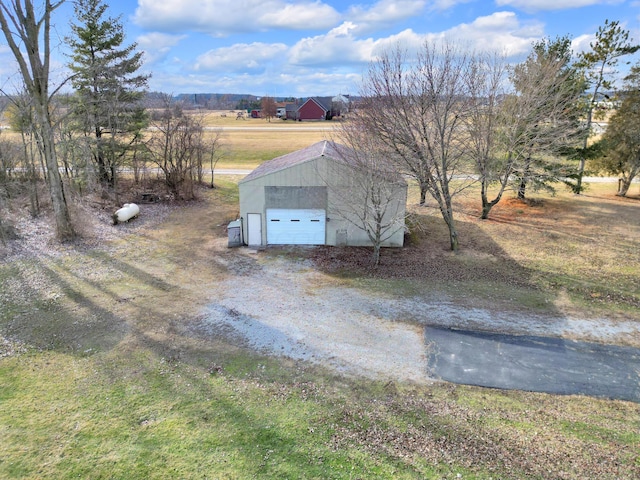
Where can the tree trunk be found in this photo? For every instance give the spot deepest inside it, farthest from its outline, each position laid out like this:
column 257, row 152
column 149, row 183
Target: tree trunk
column 486, row 208
column 625, row 183
column 578, row 187
column 486, row 204
column 453, row 235
column 523, row 179
column 423, row 195
column 447, row 214
column 64, row 228
column 376, row 255
column 34, row 201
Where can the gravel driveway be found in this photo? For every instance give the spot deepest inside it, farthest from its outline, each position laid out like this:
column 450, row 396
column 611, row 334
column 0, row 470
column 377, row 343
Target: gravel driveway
column 283, row 306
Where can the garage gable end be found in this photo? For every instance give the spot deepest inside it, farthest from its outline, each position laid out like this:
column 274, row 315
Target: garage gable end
column 307, row 197
column 312, row 110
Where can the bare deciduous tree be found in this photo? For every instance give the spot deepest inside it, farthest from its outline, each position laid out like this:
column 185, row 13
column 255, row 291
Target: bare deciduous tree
column 371, row 193
column 21, row 26
column 486, row 85
column 214, row 147
column 20, row 115
column 416, row 107
column 177, row 147
column 268, row 108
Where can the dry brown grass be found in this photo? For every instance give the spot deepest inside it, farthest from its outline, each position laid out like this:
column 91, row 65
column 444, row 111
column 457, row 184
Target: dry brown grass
column 249, row 148
column 577, row 255
column 585, row 245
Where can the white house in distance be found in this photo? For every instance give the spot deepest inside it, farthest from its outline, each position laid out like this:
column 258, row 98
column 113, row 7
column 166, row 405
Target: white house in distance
column 298, row 199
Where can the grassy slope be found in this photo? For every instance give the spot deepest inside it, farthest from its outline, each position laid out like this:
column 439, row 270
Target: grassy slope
column 111, row 385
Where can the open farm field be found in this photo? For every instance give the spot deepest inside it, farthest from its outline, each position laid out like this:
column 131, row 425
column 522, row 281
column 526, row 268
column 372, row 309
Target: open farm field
column 247, row 142
column 110, row 368
column 249, row 148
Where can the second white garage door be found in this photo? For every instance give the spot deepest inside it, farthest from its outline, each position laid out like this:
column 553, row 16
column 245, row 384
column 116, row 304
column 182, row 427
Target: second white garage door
column 295, row 227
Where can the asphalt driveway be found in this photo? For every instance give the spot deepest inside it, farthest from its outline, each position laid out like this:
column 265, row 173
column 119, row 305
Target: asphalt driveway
column 534, row 363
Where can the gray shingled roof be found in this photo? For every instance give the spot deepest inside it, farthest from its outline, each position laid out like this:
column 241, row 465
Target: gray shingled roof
column 325, row 148
column 324, row 102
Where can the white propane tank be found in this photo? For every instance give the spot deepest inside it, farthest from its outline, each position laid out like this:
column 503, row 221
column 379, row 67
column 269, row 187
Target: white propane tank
column 126, row 213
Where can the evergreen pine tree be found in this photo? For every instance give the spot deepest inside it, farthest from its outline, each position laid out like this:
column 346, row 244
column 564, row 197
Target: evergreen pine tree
column 107, row 84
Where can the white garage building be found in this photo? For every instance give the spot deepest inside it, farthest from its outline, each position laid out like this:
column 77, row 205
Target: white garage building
column 298, row 199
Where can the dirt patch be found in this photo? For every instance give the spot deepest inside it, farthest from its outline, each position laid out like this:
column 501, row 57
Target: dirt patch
column 11, row 348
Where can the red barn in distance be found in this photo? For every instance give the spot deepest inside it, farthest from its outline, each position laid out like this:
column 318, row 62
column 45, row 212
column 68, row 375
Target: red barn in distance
column 318, row 108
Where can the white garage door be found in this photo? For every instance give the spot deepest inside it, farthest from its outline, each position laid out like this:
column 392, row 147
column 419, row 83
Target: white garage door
column 295, row 227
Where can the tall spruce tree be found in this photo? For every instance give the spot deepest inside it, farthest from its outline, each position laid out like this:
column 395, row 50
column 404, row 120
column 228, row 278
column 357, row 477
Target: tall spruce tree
column 108, row 88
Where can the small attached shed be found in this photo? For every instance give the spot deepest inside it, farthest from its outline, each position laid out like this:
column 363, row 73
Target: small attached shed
column 298, row 199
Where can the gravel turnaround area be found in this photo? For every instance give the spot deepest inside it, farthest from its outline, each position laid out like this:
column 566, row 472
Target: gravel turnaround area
column 284, row 306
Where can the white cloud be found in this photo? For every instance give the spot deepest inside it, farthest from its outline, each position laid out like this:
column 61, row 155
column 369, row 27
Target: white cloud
column 301, row 83
column 385, row 12
column 536, row 5
column 582, row 43
column 447, row 4
column 407, row 39
column 299, row 16
column 312, row 82
column 223, row 17
column 341, row 46
column 240, row 57
column 500, row 30
column 157, row 46
column 338, row 47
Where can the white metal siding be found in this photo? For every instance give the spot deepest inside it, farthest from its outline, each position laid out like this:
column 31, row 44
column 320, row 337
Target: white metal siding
column 295, row 227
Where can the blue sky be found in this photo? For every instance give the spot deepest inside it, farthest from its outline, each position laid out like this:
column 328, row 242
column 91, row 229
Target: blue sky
column 321, row 47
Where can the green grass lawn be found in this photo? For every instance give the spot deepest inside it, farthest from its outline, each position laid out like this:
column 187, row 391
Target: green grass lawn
column 133, row 414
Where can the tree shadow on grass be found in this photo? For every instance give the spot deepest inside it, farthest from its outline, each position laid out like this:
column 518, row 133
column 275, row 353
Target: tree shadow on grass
column 426, row 258
column 69, row 321
column 246, row 425
column 75, row 307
